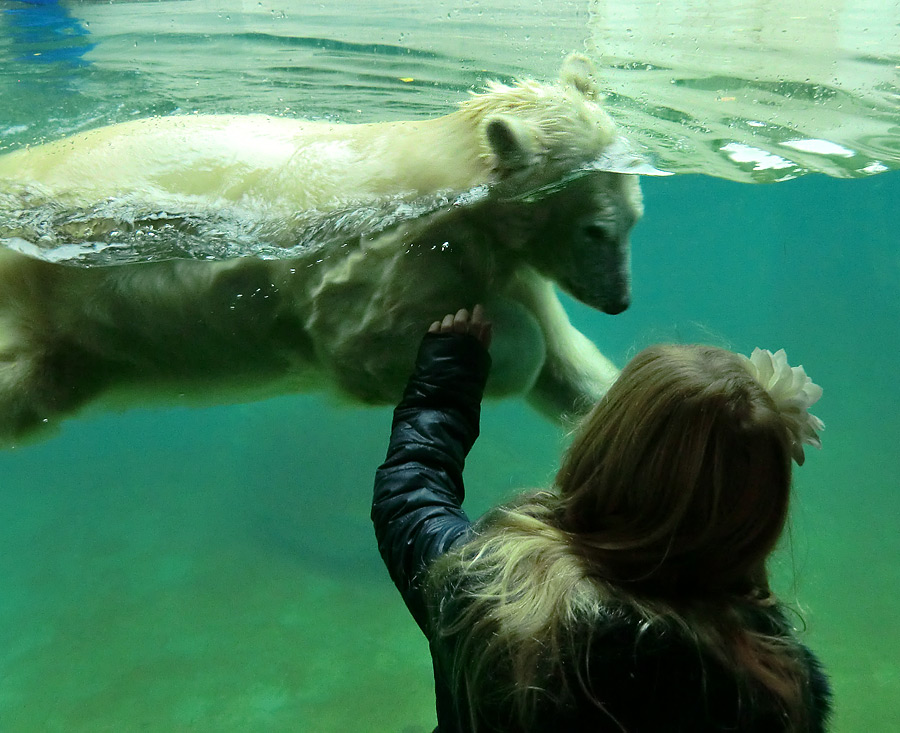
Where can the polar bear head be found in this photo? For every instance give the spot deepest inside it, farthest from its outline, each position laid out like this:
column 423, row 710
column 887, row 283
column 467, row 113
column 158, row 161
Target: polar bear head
column 551, row 201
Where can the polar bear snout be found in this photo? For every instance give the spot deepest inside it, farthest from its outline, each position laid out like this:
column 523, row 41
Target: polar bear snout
column 601, row 281
column 615, row 292
column 599, row 271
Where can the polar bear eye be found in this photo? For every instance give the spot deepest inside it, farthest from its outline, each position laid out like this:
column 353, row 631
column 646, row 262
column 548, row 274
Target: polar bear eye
column 600, row 230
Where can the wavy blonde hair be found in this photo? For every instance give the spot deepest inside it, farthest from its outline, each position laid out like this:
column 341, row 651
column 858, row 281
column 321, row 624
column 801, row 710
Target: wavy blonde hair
column 669, row 500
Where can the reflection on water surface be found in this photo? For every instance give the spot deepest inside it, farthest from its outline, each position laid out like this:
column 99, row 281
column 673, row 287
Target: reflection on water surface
column 749, row 90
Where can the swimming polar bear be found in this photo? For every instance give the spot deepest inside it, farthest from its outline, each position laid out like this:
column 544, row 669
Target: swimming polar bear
column 524, row 207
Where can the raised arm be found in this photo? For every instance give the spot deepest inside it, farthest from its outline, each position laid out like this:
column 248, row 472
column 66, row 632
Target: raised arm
column 417, row 503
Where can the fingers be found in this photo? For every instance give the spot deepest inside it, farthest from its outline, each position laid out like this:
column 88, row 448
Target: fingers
column 484, row 334
column 481, row 327
column 462, row 321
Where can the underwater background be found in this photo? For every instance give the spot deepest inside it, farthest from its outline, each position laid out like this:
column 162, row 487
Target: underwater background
column 214, row 569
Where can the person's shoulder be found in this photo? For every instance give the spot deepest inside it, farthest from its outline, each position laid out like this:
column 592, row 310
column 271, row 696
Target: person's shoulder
column 621, row 634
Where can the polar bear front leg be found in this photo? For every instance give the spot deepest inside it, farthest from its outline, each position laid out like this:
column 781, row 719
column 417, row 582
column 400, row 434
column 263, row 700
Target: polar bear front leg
column 518, row 348
column 574, row 374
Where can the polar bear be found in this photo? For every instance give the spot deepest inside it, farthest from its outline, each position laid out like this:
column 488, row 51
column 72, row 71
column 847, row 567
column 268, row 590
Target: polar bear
column 524, row 208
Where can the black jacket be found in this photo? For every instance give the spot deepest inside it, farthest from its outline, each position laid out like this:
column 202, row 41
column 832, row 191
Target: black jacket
column 646, row 682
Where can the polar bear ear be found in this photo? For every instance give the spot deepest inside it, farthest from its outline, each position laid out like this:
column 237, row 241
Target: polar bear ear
column 512, row 142
column 578, row 72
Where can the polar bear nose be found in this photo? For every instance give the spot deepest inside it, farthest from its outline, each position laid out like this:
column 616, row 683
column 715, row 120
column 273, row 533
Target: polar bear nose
column 615, row 307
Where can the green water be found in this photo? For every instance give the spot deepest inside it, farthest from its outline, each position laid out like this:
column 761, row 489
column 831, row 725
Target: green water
column 215, row 570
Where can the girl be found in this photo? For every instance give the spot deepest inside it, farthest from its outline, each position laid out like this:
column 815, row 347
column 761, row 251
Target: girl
column 631, row 596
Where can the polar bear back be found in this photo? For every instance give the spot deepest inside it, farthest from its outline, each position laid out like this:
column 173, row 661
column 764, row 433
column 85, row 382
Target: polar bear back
column 266, row 163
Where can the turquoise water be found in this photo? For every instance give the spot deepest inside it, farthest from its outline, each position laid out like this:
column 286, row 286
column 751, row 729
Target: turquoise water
column 215, row 570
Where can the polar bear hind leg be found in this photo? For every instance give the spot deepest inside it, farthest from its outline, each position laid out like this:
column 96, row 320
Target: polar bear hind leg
column 37, row 386
column 22, row 410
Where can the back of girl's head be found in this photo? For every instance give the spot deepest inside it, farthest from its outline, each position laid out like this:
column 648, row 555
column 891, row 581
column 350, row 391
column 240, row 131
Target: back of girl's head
column 679, row 479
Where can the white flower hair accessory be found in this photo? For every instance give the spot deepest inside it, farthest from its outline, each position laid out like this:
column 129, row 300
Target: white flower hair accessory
column 793, row 393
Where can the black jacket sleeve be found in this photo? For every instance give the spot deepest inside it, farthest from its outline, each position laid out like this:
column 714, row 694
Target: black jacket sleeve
column 417, row 504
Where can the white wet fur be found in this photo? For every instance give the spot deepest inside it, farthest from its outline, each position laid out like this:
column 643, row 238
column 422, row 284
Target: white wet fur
column 347, row 317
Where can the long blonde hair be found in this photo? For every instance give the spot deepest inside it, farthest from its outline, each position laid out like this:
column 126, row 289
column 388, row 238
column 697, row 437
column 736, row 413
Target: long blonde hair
column 670, row 498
